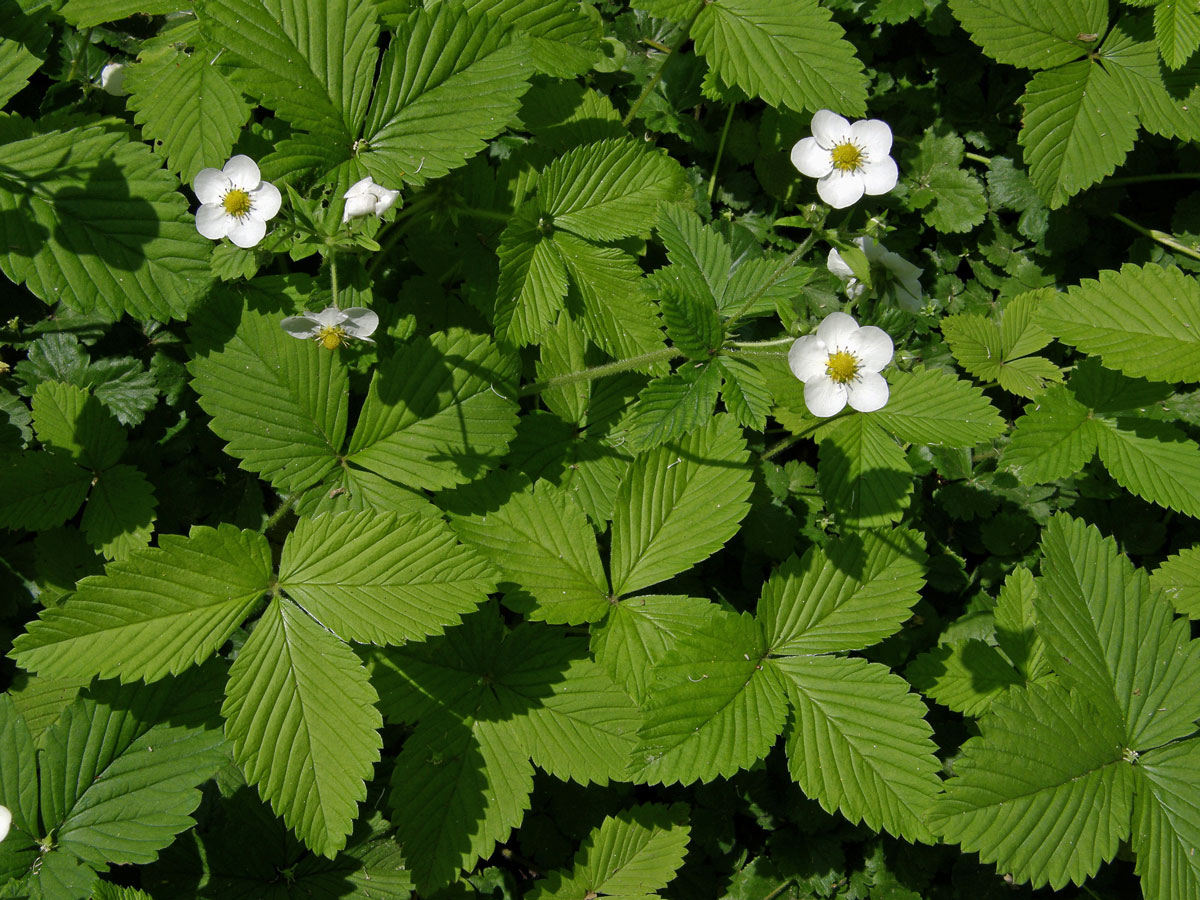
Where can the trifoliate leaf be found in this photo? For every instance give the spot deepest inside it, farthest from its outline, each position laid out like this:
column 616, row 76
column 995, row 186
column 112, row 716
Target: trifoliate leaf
column 69, row 421
column 40, row 490
column 1025, row 818
column 715, row 704
column 951, row 200
column 1113, row 640
column 542, row 543
column 673, row 406
column 160, row 611
column 678, row 504
column 450, row 80
column 119, row 517
column 1029, row 33
column 1178, row 578
column 1166, row 820
column 858, row 742
column 1078, row 126
column 120, row 383
column 933, row 407
column 863, row 474
column 301, row 715
column 1142, row 320
column 966, row 675
column 1054, row 438
column 109, row 234
column 280, row 403
column 844, row 596
column 788, row 52
column 438, row 413
column 382, row 579
column 994, row 352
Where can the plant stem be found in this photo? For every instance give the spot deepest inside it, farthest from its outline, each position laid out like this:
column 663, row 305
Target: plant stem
column 653, row 82
column 333, row 282
column 796, row 438
column 779, row 890
column 1167, row 240
column 791, row 260
column 666, row 354
column 284, row 508
column 80, row 53
column 394, row 232
column 986, row 160
column 774, row 342
column 489, row 214
column 712, row 182
column 1142, row 179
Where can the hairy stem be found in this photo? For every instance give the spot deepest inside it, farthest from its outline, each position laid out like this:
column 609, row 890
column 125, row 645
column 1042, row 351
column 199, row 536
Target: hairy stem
column 1167, row 240
column 712, row 182
column 666, row 354
column 792, row 259
column 653, row 82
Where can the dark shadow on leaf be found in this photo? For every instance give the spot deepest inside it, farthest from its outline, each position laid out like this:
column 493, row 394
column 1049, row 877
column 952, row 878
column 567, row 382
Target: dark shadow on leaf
column 105, row 193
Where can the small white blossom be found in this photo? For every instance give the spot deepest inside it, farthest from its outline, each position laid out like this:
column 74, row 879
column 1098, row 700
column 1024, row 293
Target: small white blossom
column 847, row 160
column 112, row 79
column 366, row 197
column 5, row 822
column 900, row 278
column 840, row 364
column 235, row 202
column 332, row 327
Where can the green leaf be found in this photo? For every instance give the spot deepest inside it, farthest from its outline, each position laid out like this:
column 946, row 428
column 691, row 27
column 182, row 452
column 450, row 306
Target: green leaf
column 438, row 413
column 672, row 406
column 40, row 490
column 745, row 392
column 119, row 517
column 700, row 256
column 787, row 52
column 279, row 403
column 635, row 853
column 1165, row 101
column 382, row 579
column 458, row 788
column 187, row 104
column 18, row 788
column 1178, row 578
column 1078, row 126
column 70, row 421
column 1016, row 624
column 1054, row 439
column 349, row 488
column 450, row 80
column 564, row 41
column 533, row 279
column 692, row 324
column 994, row 352
column 1142, row 321
column 17, row 64
column 86, row 13
column 1177, row 31
column 639, row 631
column 311, row 61
column 1113, row 640
column 858, row 742
column 965, row 676
column 102, row 228
column 863, row 474
column 155, row 614
column 679, row 504
column 951, row 199
column 1166, row 820
column 610, row 189
column 1032, row 33
column 714, row 706
column 846, row 595
column 542, row 543
column 301, row 715
column 933, row 407
column 1153, row 460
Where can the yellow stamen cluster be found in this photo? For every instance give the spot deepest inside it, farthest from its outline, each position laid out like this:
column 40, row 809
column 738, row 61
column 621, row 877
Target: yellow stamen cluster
column 236, row 203
column 847, row 157
column 332, row 336
column 842, row 367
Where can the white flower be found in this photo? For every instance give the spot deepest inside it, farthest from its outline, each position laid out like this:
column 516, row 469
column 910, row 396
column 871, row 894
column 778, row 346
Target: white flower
column 333, row 327
column 848, row 160
column 112, row 79
column 366, row 197
column 5, row 822
column 900, row 278
column 840, row 364
column 235, row 202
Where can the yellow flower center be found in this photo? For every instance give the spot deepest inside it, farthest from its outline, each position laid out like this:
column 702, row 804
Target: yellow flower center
column 332, row 336
column 847, row 157
column 236, row 203
column 842, row 367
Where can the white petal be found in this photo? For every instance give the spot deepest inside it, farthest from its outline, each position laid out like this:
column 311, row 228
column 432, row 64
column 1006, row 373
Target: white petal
column 879, row 176
column 5, row 821
column 836, row 330
column 873, row 347
column 824, row 397
column 387, row 199
column 265, row 201
column 837, row 265
column 242, row 172
column 360, row 322
column 363, row 186
column 361, row 205
column 329, row 317
column 810, row 159
column 211, row 185
column 808, row 357
column 908, row 296
column 874, row 136
column 840, row 189
column 829, row 128
column 871, row 248
column 300, row 326
column 112, row 79
column 855, row 288
column 212, row 221
column 867, row 393
column 247, row 231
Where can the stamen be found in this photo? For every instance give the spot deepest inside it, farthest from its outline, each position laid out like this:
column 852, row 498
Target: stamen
column 842, row 367
column 848, row 157
column 236, row 203
column 332, row 336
